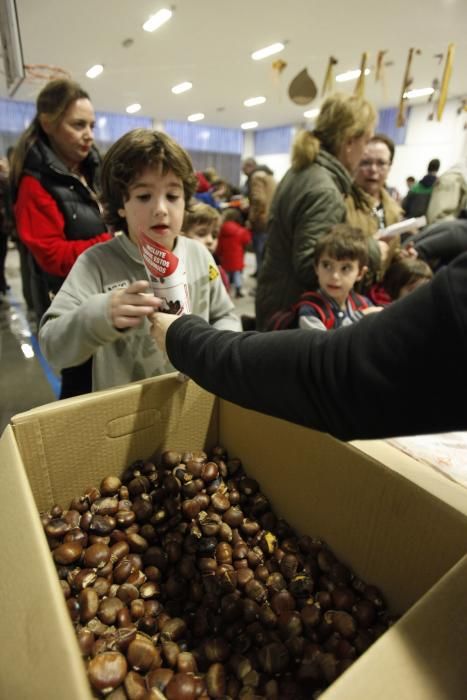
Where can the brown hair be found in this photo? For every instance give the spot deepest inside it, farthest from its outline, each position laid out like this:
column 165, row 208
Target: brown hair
column 199, row 213
column 343, row 243
column 403, row 272
column 341, row 117
column 382, row 138
column 53, row 101
column 128, row 157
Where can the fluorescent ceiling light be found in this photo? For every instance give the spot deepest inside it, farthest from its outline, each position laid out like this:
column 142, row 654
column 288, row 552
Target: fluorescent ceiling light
column 267, row 51
column 311, row 113
column 249, row 125
column 252, row 101
column 155, row 21
column 181, row 87
column 350, row 75
column 195, row 117
column 94, row 71
column 131, row 109
column 420, row 92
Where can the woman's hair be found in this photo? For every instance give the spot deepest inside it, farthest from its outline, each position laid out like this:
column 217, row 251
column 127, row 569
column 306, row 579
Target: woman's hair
column 403, row 272
column 128, row 157
column 343, row 242
column 341, row 118
column 199, row 213
column 53, row 101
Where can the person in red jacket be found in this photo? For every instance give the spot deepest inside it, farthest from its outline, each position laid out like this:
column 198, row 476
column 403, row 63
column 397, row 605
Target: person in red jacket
column 233, row 239
column 54, row 179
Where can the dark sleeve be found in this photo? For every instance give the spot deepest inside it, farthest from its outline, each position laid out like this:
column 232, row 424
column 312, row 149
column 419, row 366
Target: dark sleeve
column 443, row 241
column 402, row 371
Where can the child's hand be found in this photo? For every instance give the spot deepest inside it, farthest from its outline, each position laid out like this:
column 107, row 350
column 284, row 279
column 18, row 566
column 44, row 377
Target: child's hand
column 159, row 327
column 129, row 306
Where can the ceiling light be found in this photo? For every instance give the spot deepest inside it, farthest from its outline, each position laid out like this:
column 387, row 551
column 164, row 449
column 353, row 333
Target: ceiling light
column 131, row 109
column 249, row 125
column 155, row 21
column 350, row 75
column 252, row 101
column 94, row 71
column 420, row 92
column 181, row 87
column 311, row 113
column 27, row 350
column 196, row 117
column 267, row 51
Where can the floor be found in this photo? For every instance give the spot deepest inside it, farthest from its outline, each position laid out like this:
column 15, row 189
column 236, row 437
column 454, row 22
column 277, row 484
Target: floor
column 26, row 380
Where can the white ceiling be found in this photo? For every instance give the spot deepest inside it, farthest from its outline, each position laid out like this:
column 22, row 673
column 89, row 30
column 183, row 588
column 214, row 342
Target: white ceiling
column 209, row 43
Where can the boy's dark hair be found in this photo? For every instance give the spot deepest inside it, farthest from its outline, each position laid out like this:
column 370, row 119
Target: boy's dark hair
column 433, row 165
column 343, row 243
column 386, row 140
column 403, row 272
column 199, row 213
column 128, row 157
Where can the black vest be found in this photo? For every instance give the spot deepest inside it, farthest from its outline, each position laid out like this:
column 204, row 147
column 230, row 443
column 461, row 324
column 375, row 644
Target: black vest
column 77, row 203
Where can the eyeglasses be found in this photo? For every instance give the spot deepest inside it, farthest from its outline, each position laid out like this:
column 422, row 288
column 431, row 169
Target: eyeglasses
column 380, row 164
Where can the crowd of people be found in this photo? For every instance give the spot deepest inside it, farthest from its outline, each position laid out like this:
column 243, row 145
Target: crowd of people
column 325, row 258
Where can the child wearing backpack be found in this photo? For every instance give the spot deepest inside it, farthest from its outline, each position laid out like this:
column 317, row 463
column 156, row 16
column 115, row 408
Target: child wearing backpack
column 340, row 260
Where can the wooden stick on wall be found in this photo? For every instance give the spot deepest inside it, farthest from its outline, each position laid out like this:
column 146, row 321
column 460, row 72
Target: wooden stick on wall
column 360, row 85
column 443, row 92
column 407, row 81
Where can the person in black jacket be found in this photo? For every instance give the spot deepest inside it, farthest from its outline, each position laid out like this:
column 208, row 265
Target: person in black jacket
column 418, row 198
column 402, row 371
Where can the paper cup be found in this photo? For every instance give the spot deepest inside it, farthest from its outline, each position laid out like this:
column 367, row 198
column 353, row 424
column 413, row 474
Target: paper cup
column 167, row 275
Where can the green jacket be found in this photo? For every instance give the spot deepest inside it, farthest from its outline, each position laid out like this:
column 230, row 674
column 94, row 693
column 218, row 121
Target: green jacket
column 306, row 205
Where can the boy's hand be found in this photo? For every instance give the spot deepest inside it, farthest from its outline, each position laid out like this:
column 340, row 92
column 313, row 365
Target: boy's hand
column 159, row 327
column 129, row 306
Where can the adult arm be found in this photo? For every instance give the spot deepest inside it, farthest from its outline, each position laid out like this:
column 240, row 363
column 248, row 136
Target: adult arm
column 41, row 227
column 392, row 373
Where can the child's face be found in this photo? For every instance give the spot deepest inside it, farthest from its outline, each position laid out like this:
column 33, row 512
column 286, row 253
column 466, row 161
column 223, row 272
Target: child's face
column 337, row 277
column 205, row 234
column 155, row 206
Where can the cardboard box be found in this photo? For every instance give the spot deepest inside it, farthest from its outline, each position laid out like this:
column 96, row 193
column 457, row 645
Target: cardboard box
column 391, row 531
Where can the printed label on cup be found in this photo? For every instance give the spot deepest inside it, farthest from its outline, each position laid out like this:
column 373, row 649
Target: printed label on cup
column 167, row 275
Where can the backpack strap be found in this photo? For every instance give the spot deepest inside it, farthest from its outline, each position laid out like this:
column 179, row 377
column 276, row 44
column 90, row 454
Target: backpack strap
column 357, row 301
column 320, row 305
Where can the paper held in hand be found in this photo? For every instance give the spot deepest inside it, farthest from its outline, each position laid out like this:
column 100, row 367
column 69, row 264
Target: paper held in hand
column 405, row 226
column 167, row 275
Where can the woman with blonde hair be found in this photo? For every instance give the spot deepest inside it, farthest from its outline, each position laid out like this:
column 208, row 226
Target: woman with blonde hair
column 310, row 200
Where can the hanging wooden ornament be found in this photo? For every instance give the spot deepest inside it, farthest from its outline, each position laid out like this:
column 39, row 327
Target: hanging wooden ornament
column 277, row 67
column 329, row 77
column 379, row 71
column 443, row 92
column 406, row 83
column 302, row 89
column 360, row 84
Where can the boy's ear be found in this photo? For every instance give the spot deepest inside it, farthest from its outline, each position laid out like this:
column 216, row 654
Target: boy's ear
column 362, row 272
column 121, row 212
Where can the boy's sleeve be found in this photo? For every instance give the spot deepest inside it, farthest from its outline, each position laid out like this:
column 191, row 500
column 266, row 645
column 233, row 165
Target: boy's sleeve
column 222, row 314
column 78, row 321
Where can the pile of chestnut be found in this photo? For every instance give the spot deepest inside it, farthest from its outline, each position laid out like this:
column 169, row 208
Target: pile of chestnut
column 182, row 583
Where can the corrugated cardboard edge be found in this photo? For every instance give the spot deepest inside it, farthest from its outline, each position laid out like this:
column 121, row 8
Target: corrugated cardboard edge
column 423, row 657
column 425, row 476
column 30, row 587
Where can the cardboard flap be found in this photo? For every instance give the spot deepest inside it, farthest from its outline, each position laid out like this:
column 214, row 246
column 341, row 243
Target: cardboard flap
column 33, row 628
column 424, row 656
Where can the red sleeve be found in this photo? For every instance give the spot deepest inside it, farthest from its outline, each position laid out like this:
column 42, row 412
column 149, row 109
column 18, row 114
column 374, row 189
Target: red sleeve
column 41, row 227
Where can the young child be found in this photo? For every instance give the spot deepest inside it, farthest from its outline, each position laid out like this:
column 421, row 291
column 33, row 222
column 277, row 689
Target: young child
column 341, row 259
column 202, row 223
column 404, row 276
column 102, row 309
column 233, row 239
